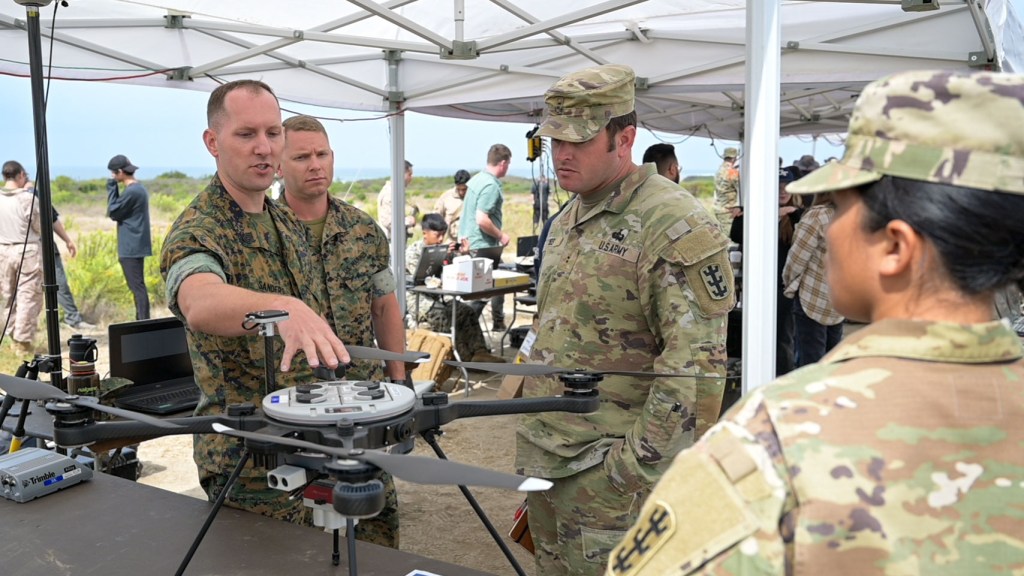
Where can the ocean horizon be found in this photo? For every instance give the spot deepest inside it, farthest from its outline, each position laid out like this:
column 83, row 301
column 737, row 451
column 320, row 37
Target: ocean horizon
column 344, row 175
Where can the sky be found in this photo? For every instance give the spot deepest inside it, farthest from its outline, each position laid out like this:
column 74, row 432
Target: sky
column 160, row 129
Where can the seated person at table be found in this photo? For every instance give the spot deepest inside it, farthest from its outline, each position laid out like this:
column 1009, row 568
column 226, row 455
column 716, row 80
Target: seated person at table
column 469, row 340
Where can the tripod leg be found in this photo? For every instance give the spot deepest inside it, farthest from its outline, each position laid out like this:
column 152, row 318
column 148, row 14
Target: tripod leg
column 213, row 513
column 350, row 536
column 431, row 439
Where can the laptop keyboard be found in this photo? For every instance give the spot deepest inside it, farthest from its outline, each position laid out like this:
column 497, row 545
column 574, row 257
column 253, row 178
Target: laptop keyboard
column 182, row 397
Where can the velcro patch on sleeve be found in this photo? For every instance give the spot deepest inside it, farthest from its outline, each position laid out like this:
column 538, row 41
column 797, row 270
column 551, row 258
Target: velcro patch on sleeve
column 660, row 544
column 704, row 260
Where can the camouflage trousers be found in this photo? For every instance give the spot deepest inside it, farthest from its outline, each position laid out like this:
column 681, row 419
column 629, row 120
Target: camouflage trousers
column 576, row 524
column 725, row 221
column 253, row 494
column 470, row 338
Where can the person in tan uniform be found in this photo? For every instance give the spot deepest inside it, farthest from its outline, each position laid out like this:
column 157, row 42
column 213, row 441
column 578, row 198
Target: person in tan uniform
column 21, row 263
column 900, row 451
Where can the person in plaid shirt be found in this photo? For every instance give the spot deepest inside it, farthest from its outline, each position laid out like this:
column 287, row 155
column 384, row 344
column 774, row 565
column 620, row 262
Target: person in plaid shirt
column 818, row 326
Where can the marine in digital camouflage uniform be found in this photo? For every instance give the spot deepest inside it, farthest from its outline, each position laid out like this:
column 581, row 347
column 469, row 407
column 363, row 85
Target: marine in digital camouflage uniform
column 900, row 451
column 233, row 251
column 636, row 277
column 727, row 189
column 354, row 259
column 214, row 235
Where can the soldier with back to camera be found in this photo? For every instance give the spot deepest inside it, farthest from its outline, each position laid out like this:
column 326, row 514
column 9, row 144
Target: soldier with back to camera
column 899, row 452
column 635, row 277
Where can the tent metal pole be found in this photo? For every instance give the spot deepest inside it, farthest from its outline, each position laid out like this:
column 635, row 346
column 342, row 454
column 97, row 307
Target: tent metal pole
column 460, row 20
column 43, row 188
column 396, row 125
column 760, row 184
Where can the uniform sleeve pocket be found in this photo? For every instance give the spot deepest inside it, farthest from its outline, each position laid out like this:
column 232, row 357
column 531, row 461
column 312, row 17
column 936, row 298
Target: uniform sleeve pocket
column 700, row 261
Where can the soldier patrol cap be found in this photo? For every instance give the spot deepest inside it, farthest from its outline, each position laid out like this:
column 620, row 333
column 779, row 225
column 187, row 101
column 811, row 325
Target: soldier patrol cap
column 730, row 152
column 962, row 129
column 580, row 104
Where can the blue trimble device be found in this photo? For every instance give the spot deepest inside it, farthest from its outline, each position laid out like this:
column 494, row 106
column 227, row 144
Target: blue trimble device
column 33, row 472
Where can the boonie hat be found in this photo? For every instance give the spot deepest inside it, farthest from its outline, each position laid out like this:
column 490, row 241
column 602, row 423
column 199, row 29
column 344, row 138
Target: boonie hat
column 962, row 129
column 580, row 104
column 807, row 163
column 121, row 162
column 730, row 152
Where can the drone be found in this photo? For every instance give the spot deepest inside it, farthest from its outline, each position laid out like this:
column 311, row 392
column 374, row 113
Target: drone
column 326, row 441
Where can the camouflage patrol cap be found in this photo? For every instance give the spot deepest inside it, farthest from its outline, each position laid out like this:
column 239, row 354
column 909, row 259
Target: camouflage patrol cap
column 730, row 152
column 936, row 126
column 580, row 104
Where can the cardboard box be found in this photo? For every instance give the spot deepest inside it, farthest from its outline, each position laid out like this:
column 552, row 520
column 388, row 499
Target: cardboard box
column 467, row 275
column 504, row 278
column 512, row 386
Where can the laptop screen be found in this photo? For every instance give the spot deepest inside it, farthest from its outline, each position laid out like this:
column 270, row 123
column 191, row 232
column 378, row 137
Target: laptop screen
column 494, row 253
column 149, row 351
column 431, row 262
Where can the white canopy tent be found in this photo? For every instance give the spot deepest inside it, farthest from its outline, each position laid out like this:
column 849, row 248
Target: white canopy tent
column 494, row 59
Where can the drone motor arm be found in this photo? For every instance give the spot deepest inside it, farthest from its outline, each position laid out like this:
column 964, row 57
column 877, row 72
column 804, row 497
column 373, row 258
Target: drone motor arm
column 436, row 411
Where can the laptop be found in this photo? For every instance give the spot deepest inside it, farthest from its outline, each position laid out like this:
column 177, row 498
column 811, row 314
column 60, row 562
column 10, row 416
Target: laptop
column 526, row 246
column 493, row 252
column 432, row 260
column 153, row 354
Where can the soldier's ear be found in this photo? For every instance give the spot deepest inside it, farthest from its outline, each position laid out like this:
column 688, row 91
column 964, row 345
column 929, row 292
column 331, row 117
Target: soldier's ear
column 624, row 140
column 901, row 248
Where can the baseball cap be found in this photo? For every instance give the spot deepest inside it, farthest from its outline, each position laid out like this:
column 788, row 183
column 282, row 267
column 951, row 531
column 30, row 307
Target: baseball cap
column 788, row 174
column 580, row 104
column 935, row 126
column 121, row 162
column 730, row 152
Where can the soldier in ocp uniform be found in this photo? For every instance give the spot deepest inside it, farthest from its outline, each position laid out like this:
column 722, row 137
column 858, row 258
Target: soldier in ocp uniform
column 635, row 277
column 900, row 451
column 727, row 190
column 232, row 251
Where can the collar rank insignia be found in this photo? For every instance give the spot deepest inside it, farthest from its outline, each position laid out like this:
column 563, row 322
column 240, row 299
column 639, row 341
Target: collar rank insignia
column 643, row 540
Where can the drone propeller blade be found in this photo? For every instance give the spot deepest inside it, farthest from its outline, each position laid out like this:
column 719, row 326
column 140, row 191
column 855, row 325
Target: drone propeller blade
column 543, row 370
column 29, row 389
column 364, row 353
column 35, row 390
column 410, row 468
column 509, row 369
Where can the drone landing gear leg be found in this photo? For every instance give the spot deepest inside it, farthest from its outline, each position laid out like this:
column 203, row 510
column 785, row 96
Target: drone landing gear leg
column 430, row 436
column 213, row 513
column 350, row 539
